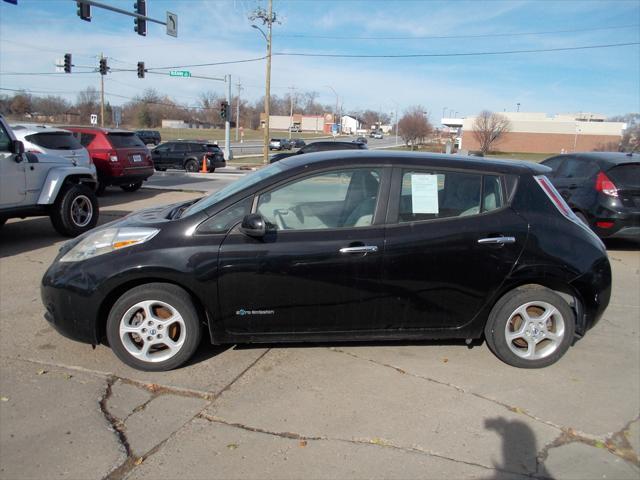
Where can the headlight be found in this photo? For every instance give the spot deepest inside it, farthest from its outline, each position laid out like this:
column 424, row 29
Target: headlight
column 108, row 240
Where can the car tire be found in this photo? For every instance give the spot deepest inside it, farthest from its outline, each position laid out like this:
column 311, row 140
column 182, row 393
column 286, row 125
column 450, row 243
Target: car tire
column 161, row 169
column 212, row 170
column 75, row 210
column 139, row 312
column 191, row 166
column 2, row 221
column 131, row 187
column 530, row 327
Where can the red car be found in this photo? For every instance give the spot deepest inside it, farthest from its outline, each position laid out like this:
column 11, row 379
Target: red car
column 121, row 158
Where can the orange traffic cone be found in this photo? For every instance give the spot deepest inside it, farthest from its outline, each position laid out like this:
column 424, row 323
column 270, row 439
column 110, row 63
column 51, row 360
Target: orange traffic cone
column 204, row 164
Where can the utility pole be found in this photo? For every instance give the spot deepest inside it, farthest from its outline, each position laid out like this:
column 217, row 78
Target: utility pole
column 239, row 85
column 101, row 96
column 292, row 89
column 268, row 19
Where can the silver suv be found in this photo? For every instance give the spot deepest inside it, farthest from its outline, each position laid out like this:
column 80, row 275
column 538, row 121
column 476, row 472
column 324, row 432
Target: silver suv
column 52, row 140
column 36, row 184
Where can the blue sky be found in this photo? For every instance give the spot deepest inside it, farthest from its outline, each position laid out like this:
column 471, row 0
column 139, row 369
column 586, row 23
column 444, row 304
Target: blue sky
column 36, row 32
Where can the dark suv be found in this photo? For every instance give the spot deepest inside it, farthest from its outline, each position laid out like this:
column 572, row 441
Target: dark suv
column 603, row 190
column 149, row 137
column 320, row 147
column 120, row 156
column 188, row 155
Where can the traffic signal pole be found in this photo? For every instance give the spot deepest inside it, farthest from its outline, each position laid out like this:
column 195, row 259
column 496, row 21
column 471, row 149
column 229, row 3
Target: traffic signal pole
column 101, row 96
column 227, row 120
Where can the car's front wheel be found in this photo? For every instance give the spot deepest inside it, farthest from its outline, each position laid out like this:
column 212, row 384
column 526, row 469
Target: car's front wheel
column 154, row 327
column 75, row 210
column 530, row 327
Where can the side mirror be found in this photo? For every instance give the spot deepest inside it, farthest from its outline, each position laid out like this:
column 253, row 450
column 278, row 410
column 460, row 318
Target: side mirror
column 17, row 147
column 254, row 225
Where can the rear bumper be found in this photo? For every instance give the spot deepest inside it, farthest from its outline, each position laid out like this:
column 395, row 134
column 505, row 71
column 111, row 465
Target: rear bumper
column 625, row 225
column 594, row 288
column 128, row 175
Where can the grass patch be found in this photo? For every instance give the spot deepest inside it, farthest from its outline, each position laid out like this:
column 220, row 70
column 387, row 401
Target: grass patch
column 531, row 157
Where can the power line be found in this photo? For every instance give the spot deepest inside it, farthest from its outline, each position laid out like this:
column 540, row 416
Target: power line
column 461, row 54
column 209, row 64
column 435, row 37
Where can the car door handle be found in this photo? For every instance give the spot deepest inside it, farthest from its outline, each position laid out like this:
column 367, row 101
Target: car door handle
column 361, row 249
column 499, row 240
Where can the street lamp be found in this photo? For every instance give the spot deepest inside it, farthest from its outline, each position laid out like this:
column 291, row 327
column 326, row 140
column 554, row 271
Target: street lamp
column 444, row 109
column 335, row 113
column 518, row 107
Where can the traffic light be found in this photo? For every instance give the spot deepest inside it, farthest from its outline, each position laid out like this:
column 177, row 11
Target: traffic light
column 103, row 66
column 84, row 11
column 224, row 110
column 67, row 63
column 140, row 25
column 140, row 69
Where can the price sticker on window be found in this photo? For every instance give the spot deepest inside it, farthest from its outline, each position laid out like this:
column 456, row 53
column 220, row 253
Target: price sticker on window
column 424, row 193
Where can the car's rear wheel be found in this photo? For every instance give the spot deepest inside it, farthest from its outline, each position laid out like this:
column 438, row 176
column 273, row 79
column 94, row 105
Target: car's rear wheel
column 154, row 327
column 191, row 166
column 75, row 210
column 530, row 327
column 131, row 187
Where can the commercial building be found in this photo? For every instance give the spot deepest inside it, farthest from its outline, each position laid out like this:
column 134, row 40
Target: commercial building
column 542, row 133
column 306, row 123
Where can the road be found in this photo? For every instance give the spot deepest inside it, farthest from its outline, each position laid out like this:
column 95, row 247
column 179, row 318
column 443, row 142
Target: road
column 385, row 410
column 254, row 147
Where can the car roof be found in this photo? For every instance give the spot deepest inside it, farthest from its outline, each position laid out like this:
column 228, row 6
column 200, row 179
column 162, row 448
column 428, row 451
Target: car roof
column 611, row 158
column 29, row 128
column 97, row 129
column 338, row 158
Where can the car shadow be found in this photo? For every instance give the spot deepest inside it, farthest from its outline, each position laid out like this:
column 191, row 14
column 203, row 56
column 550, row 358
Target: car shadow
column 621, row 244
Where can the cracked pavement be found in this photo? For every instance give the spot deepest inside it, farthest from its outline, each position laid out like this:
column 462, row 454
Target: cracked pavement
column 392, row 410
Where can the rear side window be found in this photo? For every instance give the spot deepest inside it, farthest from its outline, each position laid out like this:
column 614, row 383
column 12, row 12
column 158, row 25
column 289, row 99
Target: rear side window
column 626, row 176
column 55, row 140
column 574, row 167
column 125, row 140
column 213, row 148
column 180, row 148
column 553, row 163
column 429, row 195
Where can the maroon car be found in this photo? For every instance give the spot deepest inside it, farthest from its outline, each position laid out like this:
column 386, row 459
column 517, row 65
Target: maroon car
column 121, row 158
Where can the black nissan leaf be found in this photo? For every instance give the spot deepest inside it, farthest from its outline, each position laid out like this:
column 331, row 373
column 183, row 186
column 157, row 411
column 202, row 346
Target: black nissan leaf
column 341, row 246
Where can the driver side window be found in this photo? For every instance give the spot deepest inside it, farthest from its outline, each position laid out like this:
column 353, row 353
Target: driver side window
column 5, row 141
column 329, row 200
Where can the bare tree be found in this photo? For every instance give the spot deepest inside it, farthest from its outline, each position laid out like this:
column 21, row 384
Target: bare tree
column 489, row 128
column 414, row 127
column 87, row 103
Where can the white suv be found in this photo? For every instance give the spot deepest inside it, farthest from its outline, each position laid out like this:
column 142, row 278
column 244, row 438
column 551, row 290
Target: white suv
column 53, row 141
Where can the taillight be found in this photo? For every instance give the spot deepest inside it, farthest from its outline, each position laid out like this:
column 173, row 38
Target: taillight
column 605, row 185
column 113, row 156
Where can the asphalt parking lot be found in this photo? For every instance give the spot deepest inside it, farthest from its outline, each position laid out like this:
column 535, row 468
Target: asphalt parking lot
column 392, row 410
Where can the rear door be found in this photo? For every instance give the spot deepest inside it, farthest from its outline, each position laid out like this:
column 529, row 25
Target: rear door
column 574, row 181
column 451, row 241
column 318, row 269
column 132, row 152
column 64, row 144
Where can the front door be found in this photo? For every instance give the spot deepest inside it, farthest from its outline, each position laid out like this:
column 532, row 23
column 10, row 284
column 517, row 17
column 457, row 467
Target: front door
column 13, row 181
column 318, row 269
column 449, row 246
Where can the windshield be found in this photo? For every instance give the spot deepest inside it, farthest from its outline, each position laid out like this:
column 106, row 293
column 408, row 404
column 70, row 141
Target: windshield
column 233, row 188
